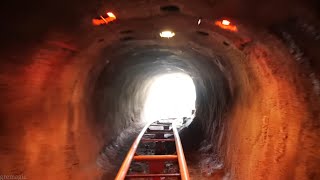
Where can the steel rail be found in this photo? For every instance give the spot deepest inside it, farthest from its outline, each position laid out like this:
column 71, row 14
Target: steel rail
column 152, row 175
column 181, row 159
column 155, row 157
column 157, row 140
column 127, row 161
column 184, row 173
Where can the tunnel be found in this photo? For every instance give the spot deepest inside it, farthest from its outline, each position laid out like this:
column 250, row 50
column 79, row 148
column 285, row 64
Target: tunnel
column 74, row 93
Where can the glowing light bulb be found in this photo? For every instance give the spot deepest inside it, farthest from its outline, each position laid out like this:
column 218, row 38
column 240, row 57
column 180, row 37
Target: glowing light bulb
column 167, row 34
column 104, row 20
column 227, row 25
column 199, row 21
column 111, row 15
column 225, row 22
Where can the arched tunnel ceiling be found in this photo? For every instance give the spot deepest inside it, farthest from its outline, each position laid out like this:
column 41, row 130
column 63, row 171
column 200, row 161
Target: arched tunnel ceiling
column 73, row 92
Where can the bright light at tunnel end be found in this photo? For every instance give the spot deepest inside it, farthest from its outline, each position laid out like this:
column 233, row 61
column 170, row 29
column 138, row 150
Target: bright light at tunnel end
column 170, row 96
column 167, row 34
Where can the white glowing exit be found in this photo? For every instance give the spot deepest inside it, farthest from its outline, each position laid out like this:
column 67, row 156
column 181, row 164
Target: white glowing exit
column 170, row 96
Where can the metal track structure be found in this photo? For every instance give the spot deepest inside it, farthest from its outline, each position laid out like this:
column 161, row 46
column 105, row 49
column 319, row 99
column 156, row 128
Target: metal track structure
column 155, row 162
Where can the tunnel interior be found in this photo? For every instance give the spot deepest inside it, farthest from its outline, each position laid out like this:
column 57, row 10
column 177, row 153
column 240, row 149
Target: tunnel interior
column 136, row 69
column 74, row 94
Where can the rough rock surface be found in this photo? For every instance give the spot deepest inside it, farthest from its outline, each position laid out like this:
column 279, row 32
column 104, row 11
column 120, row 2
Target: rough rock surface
column 70, row 90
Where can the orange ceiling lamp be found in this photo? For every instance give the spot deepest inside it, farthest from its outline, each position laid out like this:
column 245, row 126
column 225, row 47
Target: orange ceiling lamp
column 104, row 19
column 227, row 25
column 111, row 15
column 225, row 22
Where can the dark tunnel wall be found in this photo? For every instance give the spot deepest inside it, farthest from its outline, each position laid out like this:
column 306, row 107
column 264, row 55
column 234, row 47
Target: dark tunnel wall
column 136, row 66
column 55, row 76
column 146, row 62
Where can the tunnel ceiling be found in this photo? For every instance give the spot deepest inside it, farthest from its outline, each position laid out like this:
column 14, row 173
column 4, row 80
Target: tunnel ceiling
column 74, row 92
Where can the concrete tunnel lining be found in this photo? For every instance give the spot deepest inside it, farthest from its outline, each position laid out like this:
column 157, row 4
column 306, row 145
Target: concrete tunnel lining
column 136, row 68
column 268, row 123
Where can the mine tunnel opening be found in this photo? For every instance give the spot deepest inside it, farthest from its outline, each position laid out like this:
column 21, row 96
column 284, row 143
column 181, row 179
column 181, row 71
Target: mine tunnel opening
column 132, row 85
column 170, row 96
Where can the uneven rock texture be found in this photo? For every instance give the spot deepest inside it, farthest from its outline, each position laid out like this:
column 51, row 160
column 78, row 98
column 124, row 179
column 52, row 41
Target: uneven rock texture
column 72, row 94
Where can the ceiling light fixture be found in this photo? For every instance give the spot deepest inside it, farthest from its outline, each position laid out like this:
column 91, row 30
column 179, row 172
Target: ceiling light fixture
column 167, row 34
column 199, row 21
column 227, row 25
column 104, row 19
column 225, row 22
column 111, row 15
